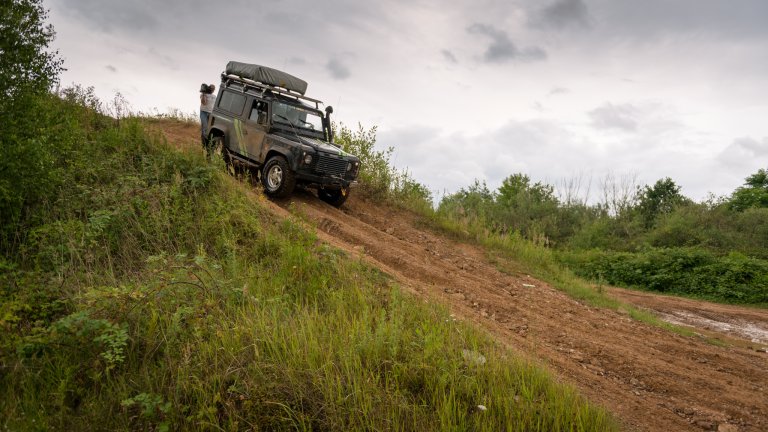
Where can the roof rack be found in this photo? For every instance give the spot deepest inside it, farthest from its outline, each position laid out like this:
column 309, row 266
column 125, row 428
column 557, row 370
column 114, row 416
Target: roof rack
column 228, row 78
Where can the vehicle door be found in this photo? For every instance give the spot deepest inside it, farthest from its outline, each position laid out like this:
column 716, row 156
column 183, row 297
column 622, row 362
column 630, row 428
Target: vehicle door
column 232, row 104
column 255, row 129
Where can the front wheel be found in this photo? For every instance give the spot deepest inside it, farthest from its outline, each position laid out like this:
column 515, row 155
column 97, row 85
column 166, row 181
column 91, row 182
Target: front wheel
column 277, row 178
column 334, row 197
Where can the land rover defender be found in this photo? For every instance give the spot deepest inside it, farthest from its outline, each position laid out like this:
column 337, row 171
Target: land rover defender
column 264, row 124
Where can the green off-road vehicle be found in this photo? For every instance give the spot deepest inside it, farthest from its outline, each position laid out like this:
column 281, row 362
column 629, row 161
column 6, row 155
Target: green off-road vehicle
column 263, row 124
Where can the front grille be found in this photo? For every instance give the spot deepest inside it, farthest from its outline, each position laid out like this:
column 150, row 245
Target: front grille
column 331, row 166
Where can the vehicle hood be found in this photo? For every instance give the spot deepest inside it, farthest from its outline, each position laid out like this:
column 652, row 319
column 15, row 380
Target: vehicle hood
column 318, row 145
column 321, row 146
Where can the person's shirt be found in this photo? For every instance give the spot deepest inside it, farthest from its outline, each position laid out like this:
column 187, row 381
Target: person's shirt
column 206, row 102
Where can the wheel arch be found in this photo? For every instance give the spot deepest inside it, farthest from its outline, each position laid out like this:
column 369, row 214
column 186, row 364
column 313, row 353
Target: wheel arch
column 276, row 151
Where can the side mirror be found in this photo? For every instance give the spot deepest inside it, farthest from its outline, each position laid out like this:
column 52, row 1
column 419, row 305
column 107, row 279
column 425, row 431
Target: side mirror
column 329, row 109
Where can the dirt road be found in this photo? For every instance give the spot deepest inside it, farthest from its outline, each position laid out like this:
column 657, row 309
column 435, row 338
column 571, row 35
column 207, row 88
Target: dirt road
column 651, row 379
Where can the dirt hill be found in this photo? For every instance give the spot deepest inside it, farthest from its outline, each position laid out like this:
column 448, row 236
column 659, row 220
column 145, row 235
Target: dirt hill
column 650, row 378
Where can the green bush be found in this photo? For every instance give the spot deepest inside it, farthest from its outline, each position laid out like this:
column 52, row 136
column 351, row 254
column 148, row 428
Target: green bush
column 694, row 272
column 754, row 193
column 378, row 178
column 30, row 131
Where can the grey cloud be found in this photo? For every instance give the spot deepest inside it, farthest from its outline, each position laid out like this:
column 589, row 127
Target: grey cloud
column 564, row 14
column 655, row 119
column 163, row 59
column 441, row 159
column 557, row 91
column 449, row 56
column 111, row 68
column 244, row 24
column 502, row 49
column 338, row 70
column 650, row 19
column 743, row 152
column 296, row 61
column 109, row 16
column 610, row 116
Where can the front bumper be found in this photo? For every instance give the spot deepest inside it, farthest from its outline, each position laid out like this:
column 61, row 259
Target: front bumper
column 324, row 181
column 326, row 171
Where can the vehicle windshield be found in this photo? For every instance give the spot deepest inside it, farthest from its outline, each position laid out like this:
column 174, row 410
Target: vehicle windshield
column 297, row 116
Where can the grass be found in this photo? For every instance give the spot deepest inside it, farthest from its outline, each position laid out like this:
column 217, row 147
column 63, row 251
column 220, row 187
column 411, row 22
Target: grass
column 159, row 294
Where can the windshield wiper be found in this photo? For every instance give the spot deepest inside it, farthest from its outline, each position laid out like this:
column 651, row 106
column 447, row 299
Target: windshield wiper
column 311, row 126
column 290, row 124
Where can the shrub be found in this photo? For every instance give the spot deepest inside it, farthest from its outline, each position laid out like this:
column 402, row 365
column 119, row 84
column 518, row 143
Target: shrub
column 28, row 139
column 379, row 179
column 694, row 272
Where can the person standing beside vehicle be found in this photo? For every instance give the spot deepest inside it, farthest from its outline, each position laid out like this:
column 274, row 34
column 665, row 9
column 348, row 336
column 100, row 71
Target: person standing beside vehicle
column 207, row 99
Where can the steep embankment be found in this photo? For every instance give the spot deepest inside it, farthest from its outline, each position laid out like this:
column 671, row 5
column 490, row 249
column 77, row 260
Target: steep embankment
column 652, row 379
column 150, row 291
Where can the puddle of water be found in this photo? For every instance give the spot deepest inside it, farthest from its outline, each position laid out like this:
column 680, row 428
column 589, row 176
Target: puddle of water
column 744, row 329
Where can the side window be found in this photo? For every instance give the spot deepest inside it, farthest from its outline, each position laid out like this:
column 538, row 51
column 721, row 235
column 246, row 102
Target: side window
column 232, row 102
column 258, row 112
column 225, row 100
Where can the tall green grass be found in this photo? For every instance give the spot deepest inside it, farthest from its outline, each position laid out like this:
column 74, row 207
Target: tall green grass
column 153, row 292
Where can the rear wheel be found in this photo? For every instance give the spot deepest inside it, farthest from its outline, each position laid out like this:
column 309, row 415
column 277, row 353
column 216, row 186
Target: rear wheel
column 277, row 178
column 333, row 197
column 216, row 146
column 213, row 146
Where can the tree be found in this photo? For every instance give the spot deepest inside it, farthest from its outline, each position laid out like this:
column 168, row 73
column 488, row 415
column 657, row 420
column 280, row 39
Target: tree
column 25, row 64
column 661, row 198
column 27, row 73
column 753, row 194
column 517, row 190
column 530, row 208
column 474, row 203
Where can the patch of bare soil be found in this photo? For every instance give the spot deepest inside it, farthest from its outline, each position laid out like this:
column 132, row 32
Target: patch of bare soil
column 181, row 135
column 650, row 378
column 744, row 325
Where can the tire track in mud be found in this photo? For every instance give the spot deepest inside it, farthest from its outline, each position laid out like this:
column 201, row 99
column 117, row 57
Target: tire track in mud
column 651, row 379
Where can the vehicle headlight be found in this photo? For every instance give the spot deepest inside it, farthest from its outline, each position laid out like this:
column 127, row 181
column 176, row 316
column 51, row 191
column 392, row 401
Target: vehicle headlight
column 307, row 159
column 349, row 166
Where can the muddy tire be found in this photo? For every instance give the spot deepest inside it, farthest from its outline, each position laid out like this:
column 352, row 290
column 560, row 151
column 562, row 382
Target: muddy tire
column 334, row 197
column 216, row 147
column 217, row 143
column 213, row 146
column 277, row 178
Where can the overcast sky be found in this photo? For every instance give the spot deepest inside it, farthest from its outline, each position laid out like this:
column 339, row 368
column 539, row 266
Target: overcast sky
column 475, row 89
